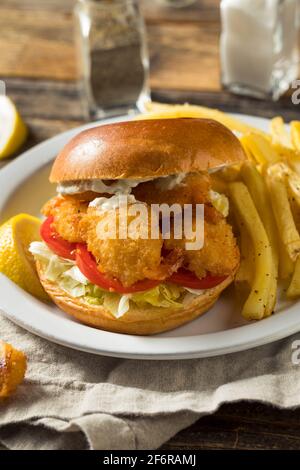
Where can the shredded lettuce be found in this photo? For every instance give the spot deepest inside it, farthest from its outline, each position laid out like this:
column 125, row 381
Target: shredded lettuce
column 164, row 295
column 62, row 271
column 70, row 279
column 117, row 304
column 194, row 291
column 93, row 300
column 77, row 276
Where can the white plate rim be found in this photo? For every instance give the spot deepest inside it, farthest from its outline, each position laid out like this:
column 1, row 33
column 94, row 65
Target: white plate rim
column 14, row 301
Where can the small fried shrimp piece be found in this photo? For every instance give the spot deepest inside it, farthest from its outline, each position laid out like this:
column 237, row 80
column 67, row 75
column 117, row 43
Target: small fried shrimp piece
column 169, row 265
column 219, row 255
column 12, row 369
column 67, row 213
column 131, row 259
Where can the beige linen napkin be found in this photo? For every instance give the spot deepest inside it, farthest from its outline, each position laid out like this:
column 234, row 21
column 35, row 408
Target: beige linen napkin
column 74, row 400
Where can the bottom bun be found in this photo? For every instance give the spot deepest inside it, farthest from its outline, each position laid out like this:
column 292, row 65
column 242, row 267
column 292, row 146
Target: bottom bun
column 138, row 320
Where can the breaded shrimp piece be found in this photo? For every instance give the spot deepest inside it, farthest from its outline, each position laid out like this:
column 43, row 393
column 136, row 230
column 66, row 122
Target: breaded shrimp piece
column 129, row 259
column 12, row 369
column 219, row 255
column 212, row 215
column 194, row 189
column 67, row 213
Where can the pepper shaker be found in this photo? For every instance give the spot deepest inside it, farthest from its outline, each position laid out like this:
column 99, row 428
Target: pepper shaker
column 112, row 57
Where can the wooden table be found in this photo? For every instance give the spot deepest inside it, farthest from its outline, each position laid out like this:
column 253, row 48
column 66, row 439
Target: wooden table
column 37, row 62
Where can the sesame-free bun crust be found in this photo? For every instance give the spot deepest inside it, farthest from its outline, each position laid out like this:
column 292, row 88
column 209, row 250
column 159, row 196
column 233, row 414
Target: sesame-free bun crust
column 147, row 148
column 137, row 321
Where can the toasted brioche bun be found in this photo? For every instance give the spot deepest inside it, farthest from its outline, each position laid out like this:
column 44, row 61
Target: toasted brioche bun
column 149, row 148
column 137, row 321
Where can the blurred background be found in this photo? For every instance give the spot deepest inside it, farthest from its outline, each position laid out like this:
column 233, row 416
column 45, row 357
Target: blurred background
column 38, row 61
column 36, row 41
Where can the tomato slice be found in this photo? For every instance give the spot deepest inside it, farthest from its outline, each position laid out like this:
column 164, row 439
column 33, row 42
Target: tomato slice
column 55, row 242
column 88, row 266
column 188, row 279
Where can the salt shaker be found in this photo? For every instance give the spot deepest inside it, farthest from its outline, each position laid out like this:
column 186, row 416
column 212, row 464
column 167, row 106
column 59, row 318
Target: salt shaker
column 112, row 57
column 259, row 46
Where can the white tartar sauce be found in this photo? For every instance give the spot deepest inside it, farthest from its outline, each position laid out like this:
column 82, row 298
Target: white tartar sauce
column 104, row 204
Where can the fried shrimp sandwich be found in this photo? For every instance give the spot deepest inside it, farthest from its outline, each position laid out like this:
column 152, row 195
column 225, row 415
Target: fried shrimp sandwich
column 110, row 254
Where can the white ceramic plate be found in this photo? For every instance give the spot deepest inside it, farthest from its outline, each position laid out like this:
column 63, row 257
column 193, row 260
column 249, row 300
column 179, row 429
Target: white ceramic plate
column 24, row 188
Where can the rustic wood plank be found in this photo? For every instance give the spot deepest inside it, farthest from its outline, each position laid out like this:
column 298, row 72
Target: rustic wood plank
column 242, row 426
column 45, row 99
column 183, row 55
column 42, row 129
column 60, row 101
column 50, row 107
column 32, row 45
column 183, row 43
column 49, row 5
column 201, row 10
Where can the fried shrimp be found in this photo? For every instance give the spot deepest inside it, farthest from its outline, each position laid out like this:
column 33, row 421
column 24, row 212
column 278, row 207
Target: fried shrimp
column 193, row 189
column 138, row 255
column 131, row 259
column 169, row 265
column 12, row 369
column 219, row 255
column 67, row 213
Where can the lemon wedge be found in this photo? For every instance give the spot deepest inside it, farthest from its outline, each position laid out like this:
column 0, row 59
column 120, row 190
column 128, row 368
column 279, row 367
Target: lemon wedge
column 13, row 131
column 16, row 262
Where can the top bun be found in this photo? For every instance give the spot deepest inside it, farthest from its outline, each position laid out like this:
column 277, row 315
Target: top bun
column 147, row 148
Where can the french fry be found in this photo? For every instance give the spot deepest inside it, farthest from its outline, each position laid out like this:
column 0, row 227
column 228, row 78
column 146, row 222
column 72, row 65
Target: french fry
column 294, row 287
column 243, row 140
column 218, row 183
column 286, row 265
column 244, row 277
column 12, row 369
column 281, row 140
column 260, row 148
column 267, row 203
column 293, row 187
column 258, row 190
column 174, row 113
column 271, row 303
column 295, row 134
column 229, row 173
column 289, row 155
column 293, row 181
column 279, row 134
column 259, row 193
column 161, row 110
column 283, row 215
column 262, row 297
column 279, row 170
column 294, row 162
